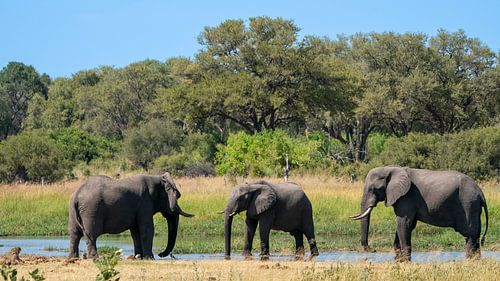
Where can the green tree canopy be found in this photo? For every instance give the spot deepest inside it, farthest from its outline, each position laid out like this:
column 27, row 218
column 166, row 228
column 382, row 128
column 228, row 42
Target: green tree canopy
column 18, row 84
column 257, row 76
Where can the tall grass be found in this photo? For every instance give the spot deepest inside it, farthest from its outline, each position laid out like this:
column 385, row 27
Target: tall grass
column 42, row 210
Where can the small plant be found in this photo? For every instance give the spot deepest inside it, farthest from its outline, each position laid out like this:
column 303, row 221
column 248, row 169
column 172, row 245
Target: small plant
column 106, row 265
column 10, row 274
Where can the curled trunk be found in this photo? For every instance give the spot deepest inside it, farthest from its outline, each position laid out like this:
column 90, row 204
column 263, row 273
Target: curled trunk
column 173, row 225
column 228, row 221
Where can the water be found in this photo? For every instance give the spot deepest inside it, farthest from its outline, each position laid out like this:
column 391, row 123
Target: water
column 58, row 246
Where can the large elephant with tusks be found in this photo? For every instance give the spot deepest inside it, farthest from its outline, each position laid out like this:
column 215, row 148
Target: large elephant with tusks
column 104, row 205
column 440, row 198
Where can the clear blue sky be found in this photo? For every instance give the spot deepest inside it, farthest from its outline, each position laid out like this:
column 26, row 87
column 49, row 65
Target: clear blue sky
column 62, row 37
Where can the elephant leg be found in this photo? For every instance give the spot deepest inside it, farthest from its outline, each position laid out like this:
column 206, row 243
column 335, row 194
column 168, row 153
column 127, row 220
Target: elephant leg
column 92, row 248
column 309, row 233
column 397, row 246
column 264, row 229
column 137, row 241
column 146, row 233
column 405, row 226
column 299, row 244
column 250, row 228
column 74, row 243
column 472, row 248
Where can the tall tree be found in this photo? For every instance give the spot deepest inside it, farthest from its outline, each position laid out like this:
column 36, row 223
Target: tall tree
column 121, row 97
column 257, row 77
column 18, row 84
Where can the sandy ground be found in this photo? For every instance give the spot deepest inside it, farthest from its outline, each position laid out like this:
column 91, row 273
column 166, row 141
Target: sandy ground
column 62, row 269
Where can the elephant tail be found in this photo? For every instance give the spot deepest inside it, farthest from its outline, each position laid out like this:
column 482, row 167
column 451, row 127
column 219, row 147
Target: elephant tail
column 483, row 203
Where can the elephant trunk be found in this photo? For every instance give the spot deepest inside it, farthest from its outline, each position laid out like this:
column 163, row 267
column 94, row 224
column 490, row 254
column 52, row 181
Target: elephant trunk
column 365, row 226
column 228, row 221
column 173, row 225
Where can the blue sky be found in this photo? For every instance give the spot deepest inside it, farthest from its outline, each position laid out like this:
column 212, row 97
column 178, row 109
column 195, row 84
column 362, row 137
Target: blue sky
column 62, row 37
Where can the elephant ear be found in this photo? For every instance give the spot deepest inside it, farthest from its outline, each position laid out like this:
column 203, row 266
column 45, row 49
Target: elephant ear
column 399, row 184
column 265, row 199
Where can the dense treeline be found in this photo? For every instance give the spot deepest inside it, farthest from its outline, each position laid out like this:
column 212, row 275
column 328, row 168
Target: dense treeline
column 255, row 92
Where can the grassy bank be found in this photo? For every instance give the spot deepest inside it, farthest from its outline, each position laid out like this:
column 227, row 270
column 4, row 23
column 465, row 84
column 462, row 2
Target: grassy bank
column 42, row 210
column 254, row 270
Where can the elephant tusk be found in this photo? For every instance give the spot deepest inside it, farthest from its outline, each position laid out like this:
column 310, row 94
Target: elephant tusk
column 358, row 217
column 221, row 212
column 232, row 214
column 181, row 212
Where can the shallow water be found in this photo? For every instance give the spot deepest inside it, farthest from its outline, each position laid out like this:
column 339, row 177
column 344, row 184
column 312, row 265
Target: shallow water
column 58, row 246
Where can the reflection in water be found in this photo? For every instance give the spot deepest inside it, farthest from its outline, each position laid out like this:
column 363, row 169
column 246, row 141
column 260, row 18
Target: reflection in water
column 58, row 246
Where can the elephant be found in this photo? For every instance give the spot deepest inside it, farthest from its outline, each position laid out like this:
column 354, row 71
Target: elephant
column 104, row 205
column 282, row 206
column 439, row 198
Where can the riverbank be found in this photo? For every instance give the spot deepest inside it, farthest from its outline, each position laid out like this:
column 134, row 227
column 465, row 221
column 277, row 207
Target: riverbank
column 35, row 210
column 59, row 269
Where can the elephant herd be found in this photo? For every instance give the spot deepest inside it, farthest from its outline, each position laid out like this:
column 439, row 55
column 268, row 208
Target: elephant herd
column 441, row 198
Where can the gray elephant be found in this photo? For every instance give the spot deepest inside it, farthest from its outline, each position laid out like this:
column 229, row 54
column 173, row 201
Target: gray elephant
column 440, row 198
column 104, row 205
column 282, row 206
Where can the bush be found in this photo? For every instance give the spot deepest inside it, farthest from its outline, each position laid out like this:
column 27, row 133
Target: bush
column 183, row 164
column 143, row 144
column 79, row 145
column 197, row 152
column 31, row 157
column 474, row 152
column 263, row 154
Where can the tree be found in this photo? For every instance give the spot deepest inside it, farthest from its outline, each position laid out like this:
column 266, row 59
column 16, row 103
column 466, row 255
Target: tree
column 256, row 77
column 18, row 84
column 121, row 97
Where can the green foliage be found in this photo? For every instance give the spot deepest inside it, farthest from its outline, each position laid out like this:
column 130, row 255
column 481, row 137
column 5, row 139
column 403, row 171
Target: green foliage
column 473, row 152
column 194, row 159
column 142, row 145
column 79, row 145
column 31, row 157
column 18, row 84
column 263, row 154
column 106, row 264
column 10, row 274
column 257, row 77
column 375, row 145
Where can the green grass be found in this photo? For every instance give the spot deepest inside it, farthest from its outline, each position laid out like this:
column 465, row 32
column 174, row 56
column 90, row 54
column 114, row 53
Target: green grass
column 42, row 211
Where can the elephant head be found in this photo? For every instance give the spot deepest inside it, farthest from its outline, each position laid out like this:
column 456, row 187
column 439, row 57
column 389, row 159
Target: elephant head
column 381, row 184
column 255, row 198
column 170, row 209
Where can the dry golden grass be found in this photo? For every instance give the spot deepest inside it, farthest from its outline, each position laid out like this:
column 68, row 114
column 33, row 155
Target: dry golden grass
column 256, row 270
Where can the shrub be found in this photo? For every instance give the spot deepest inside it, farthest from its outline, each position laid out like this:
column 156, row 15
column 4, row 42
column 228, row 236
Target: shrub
column 79, row 145
column 183, row 164
column 106, row 265
column 474, row 152
column 31, row 157
column 263, row 154
column 143, row 144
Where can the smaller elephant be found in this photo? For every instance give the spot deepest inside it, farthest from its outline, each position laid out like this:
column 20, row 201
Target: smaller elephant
column 439, row 198
column 104, row 205
column 282, row 206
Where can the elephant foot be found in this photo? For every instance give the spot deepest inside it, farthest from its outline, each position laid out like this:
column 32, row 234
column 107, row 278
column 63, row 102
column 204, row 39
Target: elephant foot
column 299, row 253
column 368, row 249
column 264, row 257
column 403, row 255
column 227, row 258
column 473, row 254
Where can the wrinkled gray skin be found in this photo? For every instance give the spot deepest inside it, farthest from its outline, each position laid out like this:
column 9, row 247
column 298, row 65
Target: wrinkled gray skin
column 104, row 205
column 440, row 198
column 281, row 206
